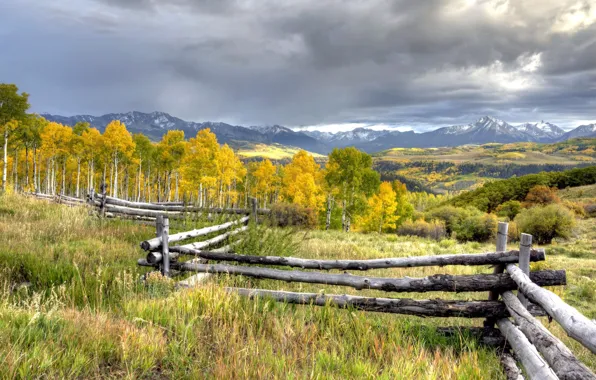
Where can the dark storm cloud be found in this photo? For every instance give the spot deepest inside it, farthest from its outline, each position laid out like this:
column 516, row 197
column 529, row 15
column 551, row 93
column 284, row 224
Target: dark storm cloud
column 302, row 62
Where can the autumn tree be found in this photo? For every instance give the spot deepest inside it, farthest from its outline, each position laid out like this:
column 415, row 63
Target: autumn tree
column 120, row 146
column 55, row 139
column 349, row 174
column 170, row 151
column 13, row 108
column 93, row 145
column 301, row 183
column 200, row 164
column 230, row 172
column 541, row 195
column 144, row 150
column 77, row 149
column 30, row 135
column 404, row 209
column 265, row 181
column 382, row 211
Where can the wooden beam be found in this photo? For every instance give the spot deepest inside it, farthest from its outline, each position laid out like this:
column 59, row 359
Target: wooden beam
column 400, row 262
column 421, row 308
column 556, row 354
column 534, row 365
column 439, row 282
column 156, row 257
column 150, row 244
column 573, row 322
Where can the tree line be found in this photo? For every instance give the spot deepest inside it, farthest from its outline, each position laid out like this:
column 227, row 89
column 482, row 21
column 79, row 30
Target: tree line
column 48, row 157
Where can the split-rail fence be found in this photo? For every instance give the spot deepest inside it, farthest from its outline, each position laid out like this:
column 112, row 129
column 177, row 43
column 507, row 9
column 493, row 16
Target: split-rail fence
column 541, row 354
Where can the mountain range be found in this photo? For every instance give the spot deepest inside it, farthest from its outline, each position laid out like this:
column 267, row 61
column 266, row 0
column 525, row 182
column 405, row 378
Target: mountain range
column 485, row 130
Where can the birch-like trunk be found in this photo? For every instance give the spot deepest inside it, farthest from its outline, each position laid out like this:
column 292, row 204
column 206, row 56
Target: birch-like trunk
column 27, row 167
column 15, row 168
column 5, row 163
column 63, row 188
column 78, row 176
column 35, row 182
column 115, row 175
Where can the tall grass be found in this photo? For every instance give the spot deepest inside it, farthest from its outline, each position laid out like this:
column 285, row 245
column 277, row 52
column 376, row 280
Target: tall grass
column 72, row 305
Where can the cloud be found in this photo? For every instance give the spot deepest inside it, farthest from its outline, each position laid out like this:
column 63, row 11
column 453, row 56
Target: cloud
column 308, row 63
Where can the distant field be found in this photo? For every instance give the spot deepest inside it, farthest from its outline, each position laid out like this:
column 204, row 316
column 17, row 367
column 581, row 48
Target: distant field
column 272, row 152
column 494, row 154
column 453, row 169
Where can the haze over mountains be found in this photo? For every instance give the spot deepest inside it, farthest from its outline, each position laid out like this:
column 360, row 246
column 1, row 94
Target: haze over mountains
column 485, row 130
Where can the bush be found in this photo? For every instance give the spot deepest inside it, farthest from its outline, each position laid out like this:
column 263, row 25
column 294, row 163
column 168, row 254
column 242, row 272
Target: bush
column 576, row 207
column 510, row 209
column 546, row 222
column 291, row 214
column 433, row 230
column 477, row 228
column 465, row 224
column 451, row 216
column 541, row 195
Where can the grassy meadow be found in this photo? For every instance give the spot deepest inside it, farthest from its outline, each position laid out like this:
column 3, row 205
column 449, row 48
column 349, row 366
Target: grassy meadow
column 72, row 305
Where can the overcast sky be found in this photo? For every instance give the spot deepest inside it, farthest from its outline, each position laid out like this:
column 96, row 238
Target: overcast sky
column 339, row 64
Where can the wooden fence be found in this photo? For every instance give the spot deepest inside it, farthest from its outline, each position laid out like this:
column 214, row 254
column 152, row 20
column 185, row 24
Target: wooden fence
column 541, row 354
column 111, row 207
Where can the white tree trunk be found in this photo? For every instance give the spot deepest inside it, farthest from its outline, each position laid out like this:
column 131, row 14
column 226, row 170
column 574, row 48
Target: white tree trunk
column 5, row 164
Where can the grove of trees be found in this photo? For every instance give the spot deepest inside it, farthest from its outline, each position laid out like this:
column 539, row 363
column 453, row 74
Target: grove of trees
column 52, row 158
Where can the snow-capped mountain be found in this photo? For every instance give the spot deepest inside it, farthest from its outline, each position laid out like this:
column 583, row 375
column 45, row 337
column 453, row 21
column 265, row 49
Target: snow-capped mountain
column 490, row 129
column 586, row 130
column 486, row 129
column 542, row 131
column 349, row 138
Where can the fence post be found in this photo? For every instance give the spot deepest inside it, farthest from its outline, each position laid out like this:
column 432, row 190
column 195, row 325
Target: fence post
column 501, row 246
column 165, row 249
column 253, row 209
column 525, row 244
column 102, row 207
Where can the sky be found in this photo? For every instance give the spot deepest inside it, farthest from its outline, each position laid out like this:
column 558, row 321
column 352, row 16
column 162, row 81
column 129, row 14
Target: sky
column 329, row 65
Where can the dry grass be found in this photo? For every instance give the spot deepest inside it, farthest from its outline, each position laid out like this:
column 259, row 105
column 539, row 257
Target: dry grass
column 85, row 314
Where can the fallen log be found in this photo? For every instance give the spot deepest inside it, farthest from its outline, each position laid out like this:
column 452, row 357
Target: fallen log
column 573, row 322
column 439, row 282
column 156, row 257
column 534, row 365
column 154, row 243
column 557, row 355
column 400, row 262
column 420, row 308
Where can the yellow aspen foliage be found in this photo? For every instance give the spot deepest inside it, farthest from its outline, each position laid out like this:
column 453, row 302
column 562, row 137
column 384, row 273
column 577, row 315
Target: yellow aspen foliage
column 120, row 146
column 200, row 164
column 265, row 179
column 302, row 181
column 382, row 210
column 55, row 140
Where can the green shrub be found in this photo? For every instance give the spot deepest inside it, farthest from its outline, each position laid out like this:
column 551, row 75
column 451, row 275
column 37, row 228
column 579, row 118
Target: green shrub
column 476, row 228
column 510, row 209
column 451, row 216
column 546, row 222
column 434, row 229
column 465, row 224
column 290, row 214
